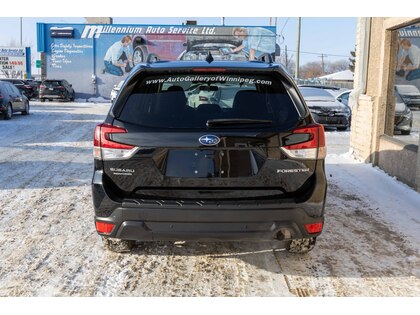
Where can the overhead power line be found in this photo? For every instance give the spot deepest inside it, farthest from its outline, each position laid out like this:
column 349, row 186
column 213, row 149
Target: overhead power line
column 282, row 29
column 319, row 53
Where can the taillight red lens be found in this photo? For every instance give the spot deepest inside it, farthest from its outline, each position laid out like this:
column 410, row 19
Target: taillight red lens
column 104, row 227
column 313, row 148
column 203, row 98
column 61, row 88
column 27, row 86
column 102, row 139
column 313, row 228
column 42, row 87
column 107, row 149
column 317, row 138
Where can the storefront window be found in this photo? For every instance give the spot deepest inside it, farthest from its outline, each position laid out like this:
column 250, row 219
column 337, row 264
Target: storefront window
column 407, row 85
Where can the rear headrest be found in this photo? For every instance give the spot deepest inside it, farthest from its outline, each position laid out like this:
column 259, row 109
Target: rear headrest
column 249, row 104
column 172, row 101
column 207, row 109
column 175, row 88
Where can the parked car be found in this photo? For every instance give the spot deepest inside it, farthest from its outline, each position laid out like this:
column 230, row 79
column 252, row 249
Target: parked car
column 56, row 89
column 24, row 86
column 115, row 90
column 403, row 120
column 35, row 84
column 410, row 95
column 326, row 109
column 343, row 97
column 250, row 170
column 201, row 94
column 333, row 90
column 223, row 95
column 12, row 100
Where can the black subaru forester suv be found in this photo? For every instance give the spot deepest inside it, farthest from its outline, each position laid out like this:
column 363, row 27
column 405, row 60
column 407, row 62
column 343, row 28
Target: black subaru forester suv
column 245, row 163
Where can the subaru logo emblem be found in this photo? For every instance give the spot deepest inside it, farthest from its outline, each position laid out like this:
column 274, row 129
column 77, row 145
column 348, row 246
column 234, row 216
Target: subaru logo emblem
column 209, row 140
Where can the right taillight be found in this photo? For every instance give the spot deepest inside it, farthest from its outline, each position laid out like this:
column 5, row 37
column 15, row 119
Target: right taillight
column 313, row 148
column 107, row 149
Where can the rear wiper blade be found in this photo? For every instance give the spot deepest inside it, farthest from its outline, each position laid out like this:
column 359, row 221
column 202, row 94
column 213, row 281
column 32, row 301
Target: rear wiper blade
column 236, row 121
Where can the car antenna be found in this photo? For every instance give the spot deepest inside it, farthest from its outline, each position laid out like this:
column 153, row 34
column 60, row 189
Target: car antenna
column 209, row 58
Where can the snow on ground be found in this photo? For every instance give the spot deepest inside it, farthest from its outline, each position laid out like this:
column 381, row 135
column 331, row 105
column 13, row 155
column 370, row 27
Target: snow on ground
column 92, row 100
column 49, row 247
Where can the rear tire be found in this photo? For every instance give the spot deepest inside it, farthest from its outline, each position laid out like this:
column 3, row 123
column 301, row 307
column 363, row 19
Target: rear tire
column 118, row 246
column 302, row 245
column 42, row 100
column 405, row 132
column 26, row 111
column 342, row 128
column 8, row 113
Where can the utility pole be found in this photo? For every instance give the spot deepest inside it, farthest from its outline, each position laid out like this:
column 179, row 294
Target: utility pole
column 287, row 61
column 222, row 21
column 297, row 51
column 20, row 32
column 322, row 62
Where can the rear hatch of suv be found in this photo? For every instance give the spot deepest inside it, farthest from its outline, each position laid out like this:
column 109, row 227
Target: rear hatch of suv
column 52, row 87
column 251, row 142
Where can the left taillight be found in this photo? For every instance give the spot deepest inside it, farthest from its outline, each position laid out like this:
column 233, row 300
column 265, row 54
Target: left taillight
column 106, row 149
column 104, row 227
column 312, row 148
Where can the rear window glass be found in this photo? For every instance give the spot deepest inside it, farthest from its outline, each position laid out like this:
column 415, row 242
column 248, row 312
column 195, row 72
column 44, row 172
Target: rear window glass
column 407, row 89
column 315, row 94
column 52, row 83
column 189, row 101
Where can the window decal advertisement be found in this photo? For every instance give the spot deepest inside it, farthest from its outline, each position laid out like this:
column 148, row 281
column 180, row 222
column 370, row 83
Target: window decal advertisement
column 408, row 65
column 407, row 74
column 97, row 57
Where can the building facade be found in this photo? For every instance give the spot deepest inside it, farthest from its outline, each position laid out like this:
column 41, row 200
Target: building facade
column 387, row 57
column 95, row 57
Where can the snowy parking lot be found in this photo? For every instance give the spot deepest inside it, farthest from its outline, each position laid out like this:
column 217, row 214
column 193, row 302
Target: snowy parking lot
column 49, row 246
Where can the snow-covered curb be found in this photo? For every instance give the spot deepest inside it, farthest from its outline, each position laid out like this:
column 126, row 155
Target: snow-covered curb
column 92, row 100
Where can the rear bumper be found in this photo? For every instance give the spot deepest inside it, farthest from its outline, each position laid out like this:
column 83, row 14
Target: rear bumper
column 335, row 121
column 201, row 221
column 52, row 96
column 208, row 224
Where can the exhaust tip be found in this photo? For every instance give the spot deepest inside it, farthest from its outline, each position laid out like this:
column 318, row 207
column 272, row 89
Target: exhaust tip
column 283, row 234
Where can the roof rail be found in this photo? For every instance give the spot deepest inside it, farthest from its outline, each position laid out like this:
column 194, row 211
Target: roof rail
column 267, row 58
column 151, row 58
